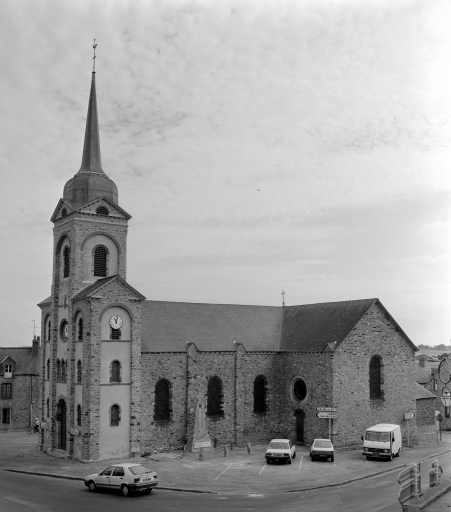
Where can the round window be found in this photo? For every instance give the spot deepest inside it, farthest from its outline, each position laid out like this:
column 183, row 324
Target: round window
column 299, row 389
column 64, row 330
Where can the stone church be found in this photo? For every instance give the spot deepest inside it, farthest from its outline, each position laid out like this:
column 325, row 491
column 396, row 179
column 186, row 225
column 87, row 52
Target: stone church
column 121, row 373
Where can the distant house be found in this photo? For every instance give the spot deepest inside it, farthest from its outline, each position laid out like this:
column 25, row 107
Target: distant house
column 19, row 386
column 435, row 386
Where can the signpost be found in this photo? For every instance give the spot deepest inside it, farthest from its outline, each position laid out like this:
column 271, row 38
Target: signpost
column 439, row 418
column 329, row 413
column 410, row 481
column 408, row 416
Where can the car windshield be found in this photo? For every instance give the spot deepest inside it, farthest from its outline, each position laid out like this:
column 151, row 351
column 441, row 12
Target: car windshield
column 322, row 444
column 378, row 436
column 277, row 445
column 139, row 470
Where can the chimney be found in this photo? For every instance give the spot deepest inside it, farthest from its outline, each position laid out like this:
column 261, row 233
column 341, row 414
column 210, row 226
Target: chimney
column 35, row 346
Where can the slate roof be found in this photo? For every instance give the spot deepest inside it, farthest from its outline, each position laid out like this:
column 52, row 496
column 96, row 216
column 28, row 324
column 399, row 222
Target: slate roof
column 421, row 392
column 22, row 356
column 424, row 373
column 169, row 326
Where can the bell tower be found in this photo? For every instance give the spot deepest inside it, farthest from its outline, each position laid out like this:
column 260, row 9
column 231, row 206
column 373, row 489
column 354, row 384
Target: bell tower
column 89, row 253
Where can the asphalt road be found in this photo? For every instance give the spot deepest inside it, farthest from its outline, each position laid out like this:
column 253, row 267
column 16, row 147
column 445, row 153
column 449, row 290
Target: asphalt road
column 29, row 493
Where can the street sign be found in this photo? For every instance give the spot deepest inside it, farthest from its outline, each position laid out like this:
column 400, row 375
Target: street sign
column 327, row 409
column 409, row 415
column 327, row 415
column 410, row 481
column 439, row 417
column 74, row 431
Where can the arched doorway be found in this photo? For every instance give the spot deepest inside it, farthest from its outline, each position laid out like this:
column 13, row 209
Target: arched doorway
column 300, row 415
column 61, row 423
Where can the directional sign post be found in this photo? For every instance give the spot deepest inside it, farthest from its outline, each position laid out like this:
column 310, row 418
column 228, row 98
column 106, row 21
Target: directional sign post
column 329, row 413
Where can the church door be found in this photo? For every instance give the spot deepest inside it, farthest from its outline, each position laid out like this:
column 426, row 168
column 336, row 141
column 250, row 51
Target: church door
column 61, row 419
column 300, row 426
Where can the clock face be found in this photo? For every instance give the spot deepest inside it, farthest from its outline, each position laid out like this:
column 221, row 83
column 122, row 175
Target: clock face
column 64, row 330
column 116, row 322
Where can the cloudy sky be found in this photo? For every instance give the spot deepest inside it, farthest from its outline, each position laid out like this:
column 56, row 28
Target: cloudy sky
column 260, row 146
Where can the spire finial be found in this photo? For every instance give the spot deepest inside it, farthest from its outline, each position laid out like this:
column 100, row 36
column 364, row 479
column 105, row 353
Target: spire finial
column 283, row 298
column 94, row 58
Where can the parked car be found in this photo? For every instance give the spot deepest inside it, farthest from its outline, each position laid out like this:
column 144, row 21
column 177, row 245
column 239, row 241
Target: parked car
column 126, row 478
column 280, row 449
column 322, row 449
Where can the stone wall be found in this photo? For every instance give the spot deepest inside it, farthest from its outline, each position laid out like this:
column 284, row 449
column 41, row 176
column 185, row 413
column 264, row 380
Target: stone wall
column 375, row 334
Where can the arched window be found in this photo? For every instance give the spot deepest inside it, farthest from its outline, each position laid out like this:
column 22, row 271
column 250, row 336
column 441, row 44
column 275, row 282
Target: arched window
column 115, row 415
column 49, row 330
column 63, row 212
column 79, row 372
column 162, row 405
column 115, row 371
column 63, row 370
column 58, row 370
column 66, row 258
column 100, row 263
column 376, row 377
column 102, row 210
column 48, row 369
column 48, row 408
column 80, row 328
column 214, row 397
column 78, row 415
column 260, row 394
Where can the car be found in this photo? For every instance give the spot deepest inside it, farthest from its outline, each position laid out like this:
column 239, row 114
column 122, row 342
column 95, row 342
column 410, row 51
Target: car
column 280, row 450
column 126, row 478
column 322, row 449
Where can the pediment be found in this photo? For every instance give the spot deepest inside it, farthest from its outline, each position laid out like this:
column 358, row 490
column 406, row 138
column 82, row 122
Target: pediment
column 105, row 207
column 106, row 286
column 63, row 208
column 8, row 360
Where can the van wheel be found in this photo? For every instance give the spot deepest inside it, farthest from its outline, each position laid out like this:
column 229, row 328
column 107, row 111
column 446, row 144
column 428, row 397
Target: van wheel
column 397, row 455
column 391, row 457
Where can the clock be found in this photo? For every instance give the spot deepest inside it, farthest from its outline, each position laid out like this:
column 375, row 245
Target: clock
column 116, row 322
column 64, row 330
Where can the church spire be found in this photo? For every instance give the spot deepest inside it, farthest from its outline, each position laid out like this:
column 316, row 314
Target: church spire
column 91, row 161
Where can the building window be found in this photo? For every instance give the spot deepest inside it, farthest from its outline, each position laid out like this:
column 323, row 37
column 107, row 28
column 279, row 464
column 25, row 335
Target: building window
column 299, row 389
column 48, row 408
column 78, row 415
column 376, row 377
column 435, row 384
column 100, row 265
column 80, row 328
column 63, row 370
column 115, row 371
column 79, row 372
column 48, row 369
column 162, row 406
column 58, row 370
column 115, row 334
column 260, row 394
column 66, row 258
column 102, row 210
column 8, row 371
column 6, row 392
column 63, row 212
column 49, row 330
column 214, row 397
column 6, row 415
column 115, row 415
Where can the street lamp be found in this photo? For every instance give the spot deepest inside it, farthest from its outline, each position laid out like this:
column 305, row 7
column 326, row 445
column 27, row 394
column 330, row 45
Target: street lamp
column 446, row 397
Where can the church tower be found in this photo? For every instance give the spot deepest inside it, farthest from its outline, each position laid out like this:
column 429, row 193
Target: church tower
column 91, row 322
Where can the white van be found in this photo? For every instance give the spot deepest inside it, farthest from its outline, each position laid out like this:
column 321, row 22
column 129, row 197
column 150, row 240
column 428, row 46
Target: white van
column 382, row 441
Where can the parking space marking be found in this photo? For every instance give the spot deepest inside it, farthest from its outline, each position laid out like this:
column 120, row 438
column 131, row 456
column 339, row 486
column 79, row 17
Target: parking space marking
column 262, row 469
column 302, row 458
column 224, row 470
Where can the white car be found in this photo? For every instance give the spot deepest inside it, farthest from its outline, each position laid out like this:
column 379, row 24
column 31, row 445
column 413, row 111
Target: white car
column 126, row 478
column 280, row 449
column 322, row 449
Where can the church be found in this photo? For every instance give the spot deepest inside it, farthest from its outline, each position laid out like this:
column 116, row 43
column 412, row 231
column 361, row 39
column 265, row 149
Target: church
column 121, row 374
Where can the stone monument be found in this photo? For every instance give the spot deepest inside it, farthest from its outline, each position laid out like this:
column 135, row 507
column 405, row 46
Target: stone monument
column 199, row 437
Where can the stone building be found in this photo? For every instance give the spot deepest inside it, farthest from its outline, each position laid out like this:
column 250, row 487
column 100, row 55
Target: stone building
column 19, row 386
column 122, row 373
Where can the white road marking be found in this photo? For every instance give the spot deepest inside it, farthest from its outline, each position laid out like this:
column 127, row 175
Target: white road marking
column 301, row 463
column 262, row 469
column 224, row 470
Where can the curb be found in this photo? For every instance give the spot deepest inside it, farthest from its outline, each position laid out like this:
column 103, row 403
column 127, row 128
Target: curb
column 178, row 489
